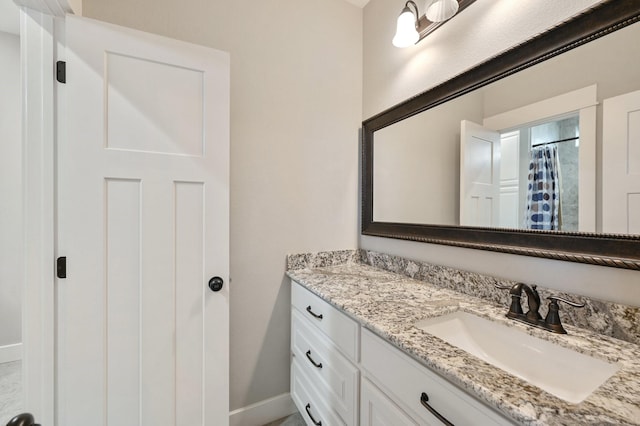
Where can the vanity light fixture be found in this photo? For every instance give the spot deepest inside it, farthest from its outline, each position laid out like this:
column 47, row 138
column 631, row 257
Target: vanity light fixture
column 440, row 10
column 407, row 28
column 412, row 27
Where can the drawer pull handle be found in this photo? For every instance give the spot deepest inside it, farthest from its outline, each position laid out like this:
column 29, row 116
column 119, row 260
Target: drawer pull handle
column 315, row 364
column 424, row 400
column 308, row 409
column 313, row 313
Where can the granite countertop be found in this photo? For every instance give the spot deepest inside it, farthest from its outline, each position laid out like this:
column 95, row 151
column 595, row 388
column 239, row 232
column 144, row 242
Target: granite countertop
column 390, row 304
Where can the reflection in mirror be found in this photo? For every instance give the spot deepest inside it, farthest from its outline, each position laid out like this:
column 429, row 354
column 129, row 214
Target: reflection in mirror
column 551, row 190
column 529, row 180
column 416, row 165
column 621, row 164
column 586, row 67
column 420, row 175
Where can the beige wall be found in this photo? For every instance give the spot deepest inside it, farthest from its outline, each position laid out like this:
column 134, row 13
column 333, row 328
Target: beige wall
column 417, row 164
column 296, row 92
column 483, row 30
column 11, row 190
column 76, row 6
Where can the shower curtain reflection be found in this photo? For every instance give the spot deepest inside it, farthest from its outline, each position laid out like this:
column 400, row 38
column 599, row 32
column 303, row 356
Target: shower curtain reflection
column 543, row 189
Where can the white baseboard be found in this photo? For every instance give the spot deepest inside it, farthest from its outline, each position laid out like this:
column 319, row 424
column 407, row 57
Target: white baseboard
column 263, row 412
column 10, row 353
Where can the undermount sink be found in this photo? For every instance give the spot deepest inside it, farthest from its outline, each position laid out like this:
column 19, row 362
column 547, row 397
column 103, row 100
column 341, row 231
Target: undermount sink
column 567, row 374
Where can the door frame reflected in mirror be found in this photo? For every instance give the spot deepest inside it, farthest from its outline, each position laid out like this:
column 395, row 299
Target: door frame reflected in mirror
column 580, row 103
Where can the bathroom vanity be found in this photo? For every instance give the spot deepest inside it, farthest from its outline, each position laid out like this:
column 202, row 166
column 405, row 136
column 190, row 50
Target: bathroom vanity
column 360, row 357
column 334, row 358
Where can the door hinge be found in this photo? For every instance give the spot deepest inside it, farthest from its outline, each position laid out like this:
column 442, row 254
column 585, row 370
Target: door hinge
column 61, row 71
column 61, row 267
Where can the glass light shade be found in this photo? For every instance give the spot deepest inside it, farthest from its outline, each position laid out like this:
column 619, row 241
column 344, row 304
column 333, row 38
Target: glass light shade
column 406, row 33
column 441, row 10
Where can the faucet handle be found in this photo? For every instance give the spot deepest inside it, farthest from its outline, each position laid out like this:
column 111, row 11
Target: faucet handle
column 552, row 320
column 515, row 309
column 568, row 302
column 502, row 287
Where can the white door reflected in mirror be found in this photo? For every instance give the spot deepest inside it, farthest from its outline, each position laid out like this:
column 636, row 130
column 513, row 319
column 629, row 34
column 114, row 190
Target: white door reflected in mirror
column 621, row 164
column 480, row 175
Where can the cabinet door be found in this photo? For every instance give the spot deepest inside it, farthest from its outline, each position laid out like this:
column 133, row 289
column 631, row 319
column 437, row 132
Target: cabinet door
column 378, row 410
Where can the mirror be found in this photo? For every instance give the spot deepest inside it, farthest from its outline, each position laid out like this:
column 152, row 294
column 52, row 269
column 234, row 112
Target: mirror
column 432, row 173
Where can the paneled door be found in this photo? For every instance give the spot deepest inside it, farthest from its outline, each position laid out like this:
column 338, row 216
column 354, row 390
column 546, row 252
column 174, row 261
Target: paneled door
column 143, row 201
column 621, row 164
column 479, row 175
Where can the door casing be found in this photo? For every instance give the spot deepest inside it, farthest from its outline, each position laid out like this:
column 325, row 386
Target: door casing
column 38, row 54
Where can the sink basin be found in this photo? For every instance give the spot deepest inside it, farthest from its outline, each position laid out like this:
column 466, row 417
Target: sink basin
column 567, row 374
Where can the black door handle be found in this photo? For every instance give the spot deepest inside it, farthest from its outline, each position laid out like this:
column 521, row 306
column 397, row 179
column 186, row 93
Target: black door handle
column 216, row 283
column 24, row 419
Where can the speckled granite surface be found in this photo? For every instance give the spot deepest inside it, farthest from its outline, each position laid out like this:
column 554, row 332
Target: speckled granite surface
column 610, row 319
column 390, row 304
column 323, row 258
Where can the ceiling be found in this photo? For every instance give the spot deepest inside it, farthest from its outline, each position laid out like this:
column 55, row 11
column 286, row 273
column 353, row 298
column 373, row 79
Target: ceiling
column 9, row 17
column 359, row 3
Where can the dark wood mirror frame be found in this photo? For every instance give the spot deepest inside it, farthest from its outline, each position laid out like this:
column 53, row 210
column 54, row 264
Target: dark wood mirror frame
column 621, row 251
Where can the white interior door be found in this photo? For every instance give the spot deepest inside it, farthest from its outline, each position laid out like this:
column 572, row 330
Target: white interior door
column 510, row 216
column 143, row 221
column 621, row 164
column 479, row 175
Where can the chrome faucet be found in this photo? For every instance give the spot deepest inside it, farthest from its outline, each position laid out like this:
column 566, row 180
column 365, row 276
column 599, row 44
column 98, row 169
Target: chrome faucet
column 552, row 320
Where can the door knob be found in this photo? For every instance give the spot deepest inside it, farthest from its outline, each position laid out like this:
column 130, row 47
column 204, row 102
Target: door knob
column 24, row 419
column 215, row 283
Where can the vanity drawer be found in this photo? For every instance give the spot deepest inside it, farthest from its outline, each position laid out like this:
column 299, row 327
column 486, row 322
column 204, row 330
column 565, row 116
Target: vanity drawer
column 332, row 374
column 313, row 408
column 342, row 330
column 404, row 380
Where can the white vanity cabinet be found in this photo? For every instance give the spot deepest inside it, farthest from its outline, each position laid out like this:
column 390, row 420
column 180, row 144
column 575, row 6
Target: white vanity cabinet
column 342, row 375
column 325, row 380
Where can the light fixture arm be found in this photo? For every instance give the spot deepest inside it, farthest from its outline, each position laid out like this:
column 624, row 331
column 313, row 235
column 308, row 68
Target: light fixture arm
column 415, row 6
